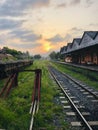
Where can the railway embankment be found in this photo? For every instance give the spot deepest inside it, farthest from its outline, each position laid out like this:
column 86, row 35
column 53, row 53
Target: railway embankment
column 86, row 76
column 82, row 101
column 14, row 110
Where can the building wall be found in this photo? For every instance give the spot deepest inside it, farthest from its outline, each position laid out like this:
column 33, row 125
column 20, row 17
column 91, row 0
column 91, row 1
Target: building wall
column 84, row 52
column 89, row 58
column 85, row 56
column 68, row 59
column 95, row 58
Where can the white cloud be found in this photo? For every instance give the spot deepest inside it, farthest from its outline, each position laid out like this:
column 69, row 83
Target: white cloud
column 19, row 7
column 75, row 2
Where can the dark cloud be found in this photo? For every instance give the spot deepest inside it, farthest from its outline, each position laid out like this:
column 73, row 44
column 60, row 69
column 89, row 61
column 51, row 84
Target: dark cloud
column 63, row 5
column 9, row 24
column 31, row 37
column 75, row 2
column 19, row 7
column 55, row 39
column 58, row 38
column 26, row 45
column 25, row 35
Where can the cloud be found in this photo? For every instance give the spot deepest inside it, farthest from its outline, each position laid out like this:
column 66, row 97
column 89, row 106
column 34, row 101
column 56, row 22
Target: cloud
column 89, row 3
column 25, row 35
column 26, row 45
column 40, row 3
column 9, row 24
column 55, row 39
column 63, row 5
column 58, row 38
column 76, row 32
column 93, row 24
column 2, row 40
column 68, row 37
column 75, row 2
column 19, row 7
column 75, row 29
column 20, row 43
column 2, row 2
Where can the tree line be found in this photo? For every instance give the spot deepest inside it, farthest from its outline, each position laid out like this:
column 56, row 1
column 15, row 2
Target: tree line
column 25, row 55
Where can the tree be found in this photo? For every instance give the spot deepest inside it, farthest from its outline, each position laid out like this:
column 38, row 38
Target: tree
column 38, row 56
column 55, row 55
column 16, row 54
column 52, row 55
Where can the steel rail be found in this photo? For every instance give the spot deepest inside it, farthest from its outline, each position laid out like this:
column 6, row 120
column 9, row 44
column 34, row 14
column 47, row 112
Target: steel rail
column 33, row 113
column 96, row 96
column 72, row 103
column 35, row 96
column 82, row 86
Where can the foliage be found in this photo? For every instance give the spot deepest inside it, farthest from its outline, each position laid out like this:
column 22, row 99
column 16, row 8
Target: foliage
column 2, row 83
column 38, row 56
column 52, row 55
column 14, row 111
column 15, row 53
column 55, row 55
column 11, row 51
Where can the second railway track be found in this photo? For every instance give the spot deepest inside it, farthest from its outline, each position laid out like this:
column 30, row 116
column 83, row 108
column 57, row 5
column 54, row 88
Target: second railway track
column 82, row 100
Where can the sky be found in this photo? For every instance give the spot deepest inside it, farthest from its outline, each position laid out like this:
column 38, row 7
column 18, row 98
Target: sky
column 43, row 26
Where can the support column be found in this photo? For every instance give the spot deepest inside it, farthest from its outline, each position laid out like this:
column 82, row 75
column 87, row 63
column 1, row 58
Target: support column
column 16, row 79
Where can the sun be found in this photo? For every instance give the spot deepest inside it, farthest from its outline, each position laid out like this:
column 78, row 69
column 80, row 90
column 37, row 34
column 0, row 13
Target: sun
column 47, row 46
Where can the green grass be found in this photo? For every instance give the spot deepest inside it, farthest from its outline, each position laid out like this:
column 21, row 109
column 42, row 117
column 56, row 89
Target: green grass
column 48, row 108
column 80, row 74
column 2, row 83
column 14, row 110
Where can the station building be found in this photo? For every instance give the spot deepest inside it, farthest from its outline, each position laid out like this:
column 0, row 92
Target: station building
column 82, row 50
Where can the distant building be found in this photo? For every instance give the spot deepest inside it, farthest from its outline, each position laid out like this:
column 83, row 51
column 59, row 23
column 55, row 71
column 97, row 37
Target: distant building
column 82, row 50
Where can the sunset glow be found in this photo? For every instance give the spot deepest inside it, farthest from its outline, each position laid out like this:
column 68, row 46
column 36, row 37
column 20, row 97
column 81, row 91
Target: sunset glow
column 47, row 46
column 43, row 26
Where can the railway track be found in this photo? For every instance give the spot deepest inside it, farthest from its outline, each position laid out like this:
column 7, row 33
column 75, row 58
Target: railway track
column 35, row 97
column 79, row 101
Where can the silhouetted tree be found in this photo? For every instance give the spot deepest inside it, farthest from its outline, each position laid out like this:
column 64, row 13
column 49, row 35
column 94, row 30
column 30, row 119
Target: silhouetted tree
column 38, row 56
column 55, row 55
column 52, row 55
